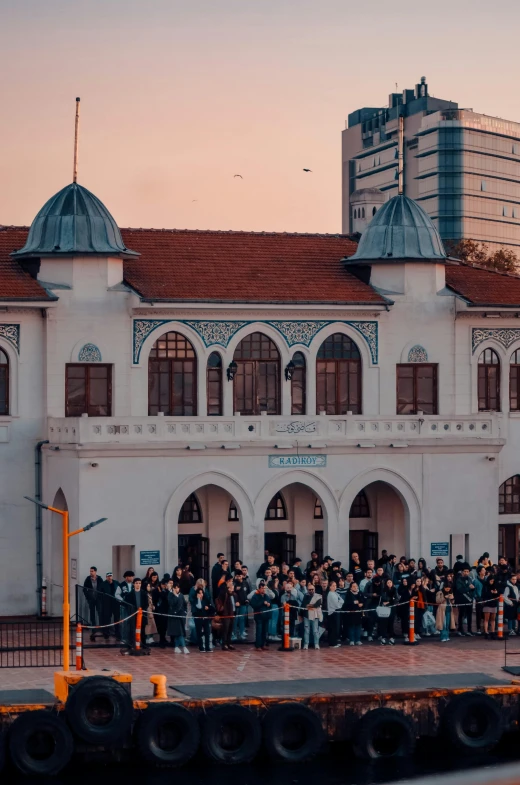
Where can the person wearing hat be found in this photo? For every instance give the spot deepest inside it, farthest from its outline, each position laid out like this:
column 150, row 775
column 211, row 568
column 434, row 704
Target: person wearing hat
column 110, row 607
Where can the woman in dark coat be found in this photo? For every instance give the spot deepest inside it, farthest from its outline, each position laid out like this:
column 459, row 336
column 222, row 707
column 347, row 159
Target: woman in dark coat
column 177, row 577
column 385, row 624
column 403, row 610
column 177, row 620
column 202, row 611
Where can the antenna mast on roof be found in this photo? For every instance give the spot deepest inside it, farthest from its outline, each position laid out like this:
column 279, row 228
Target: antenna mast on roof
column 76, row 140
column 400, row 156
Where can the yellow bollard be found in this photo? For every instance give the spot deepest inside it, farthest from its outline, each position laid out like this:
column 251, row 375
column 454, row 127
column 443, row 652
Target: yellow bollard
column 159, row 687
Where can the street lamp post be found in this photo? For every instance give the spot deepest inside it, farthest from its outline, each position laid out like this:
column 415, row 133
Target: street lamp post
column 66, row 591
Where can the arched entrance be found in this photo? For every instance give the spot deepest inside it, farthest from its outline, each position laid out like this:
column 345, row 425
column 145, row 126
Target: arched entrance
column 377, row 522
column 297, row 516
column 206, row 515
column 55, row 589
column 383, row 512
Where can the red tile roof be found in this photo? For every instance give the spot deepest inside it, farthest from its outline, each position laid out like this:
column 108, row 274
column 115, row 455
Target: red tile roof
column 484, row 287
column 15, row 284
column 243, row 266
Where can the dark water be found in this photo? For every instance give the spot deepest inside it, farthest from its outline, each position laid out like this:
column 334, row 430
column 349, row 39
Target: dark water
column 337, row 767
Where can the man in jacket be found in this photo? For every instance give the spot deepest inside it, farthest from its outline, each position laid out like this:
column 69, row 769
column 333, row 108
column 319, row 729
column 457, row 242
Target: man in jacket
column 312, row 615
column 260, row 604
column 216, row 574
column 439, row 573
column 265, row 566
column 110, row 607
column 242, row 603
column 464, row 594
column 93, row 591
column 291, row 598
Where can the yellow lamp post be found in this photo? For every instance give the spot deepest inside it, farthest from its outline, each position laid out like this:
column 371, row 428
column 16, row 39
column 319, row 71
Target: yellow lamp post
column 66, row 598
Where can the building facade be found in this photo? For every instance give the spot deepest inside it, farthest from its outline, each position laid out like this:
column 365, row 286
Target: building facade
column 229, row 391
column 463, row 167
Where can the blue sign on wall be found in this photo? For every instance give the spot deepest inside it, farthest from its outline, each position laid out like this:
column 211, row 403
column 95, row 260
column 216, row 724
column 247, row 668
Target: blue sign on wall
column 150, row 558
column 440, row 549
column 290, row 461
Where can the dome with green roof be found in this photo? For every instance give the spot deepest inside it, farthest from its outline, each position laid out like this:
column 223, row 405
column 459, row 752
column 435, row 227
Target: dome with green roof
column 400, row 230
column 73, row 222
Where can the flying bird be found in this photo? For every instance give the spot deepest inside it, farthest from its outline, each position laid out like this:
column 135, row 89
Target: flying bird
column 238, row 175
column 307, row 170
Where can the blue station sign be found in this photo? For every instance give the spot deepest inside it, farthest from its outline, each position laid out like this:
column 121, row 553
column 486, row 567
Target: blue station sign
column 290, row 461
column 440, row 549
column 150, row 558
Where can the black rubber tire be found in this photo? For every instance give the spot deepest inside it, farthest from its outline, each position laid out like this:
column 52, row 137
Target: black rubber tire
column 472, row 722
column 95, row 696
column 231, row 734
column 40, row 743
column 3, row 750
column 383, row 733
column 167, row 734
column 293, row 733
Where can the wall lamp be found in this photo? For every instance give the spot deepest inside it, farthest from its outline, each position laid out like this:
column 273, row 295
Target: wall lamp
column 289, row 370
column 231, row 370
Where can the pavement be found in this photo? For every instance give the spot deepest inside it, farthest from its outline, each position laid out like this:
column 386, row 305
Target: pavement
column 469, row 661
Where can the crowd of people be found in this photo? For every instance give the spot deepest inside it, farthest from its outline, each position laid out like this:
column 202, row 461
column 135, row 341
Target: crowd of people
column 363, row 603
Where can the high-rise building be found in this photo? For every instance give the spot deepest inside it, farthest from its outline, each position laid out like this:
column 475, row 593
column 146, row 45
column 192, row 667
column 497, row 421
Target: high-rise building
column 462, row 167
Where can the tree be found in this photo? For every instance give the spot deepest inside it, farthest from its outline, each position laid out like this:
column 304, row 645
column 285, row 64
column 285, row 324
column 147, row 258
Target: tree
column 503, row 260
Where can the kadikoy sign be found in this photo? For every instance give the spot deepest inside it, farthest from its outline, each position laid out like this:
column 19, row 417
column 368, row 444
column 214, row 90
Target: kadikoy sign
column 290, row 461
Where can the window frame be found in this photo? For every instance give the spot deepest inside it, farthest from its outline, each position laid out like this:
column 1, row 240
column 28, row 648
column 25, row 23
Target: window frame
column 251, row 367
column 189, row 366
column 318, row 508
column 299, row 376
column 233, row 507
column 416, row 406
column 216, row 369
column 486, row 374
column 5, row 369
column 88, row 409
column 194, row 503
column 342, row 366
column 513, row 508
column 363, row 507
column 514, row 371
column 279, row 503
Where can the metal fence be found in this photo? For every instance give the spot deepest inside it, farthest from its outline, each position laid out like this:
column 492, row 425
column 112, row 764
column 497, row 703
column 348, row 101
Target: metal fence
column 31, row 644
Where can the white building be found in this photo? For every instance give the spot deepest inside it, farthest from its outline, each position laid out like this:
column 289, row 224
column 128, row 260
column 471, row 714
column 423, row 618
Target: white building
column 230, row 391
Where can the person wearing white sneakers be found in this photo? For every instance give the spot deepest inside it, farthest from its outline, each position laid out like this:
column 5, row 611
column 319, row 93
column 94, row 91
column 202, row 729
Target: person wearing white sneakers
column 354, row 604
column 177, row 620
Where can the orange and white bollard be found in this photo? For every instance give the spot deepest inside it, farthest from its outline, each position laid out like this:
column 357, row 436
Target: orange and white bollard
column 79, row 647
column 411, row 626
column 138, row 629
column 44, row 599
column 286, row 645
column 500, row 622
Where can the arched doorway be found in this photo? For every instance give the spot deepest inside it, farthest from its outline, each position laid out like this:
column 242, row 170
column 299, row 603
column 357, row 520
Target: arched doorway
column 55, row 579
column 377, row 522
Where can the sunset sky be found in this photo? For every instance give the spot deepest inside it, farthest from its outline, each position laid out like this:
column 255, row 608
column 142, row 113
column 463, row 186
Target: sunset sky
column 177, row 96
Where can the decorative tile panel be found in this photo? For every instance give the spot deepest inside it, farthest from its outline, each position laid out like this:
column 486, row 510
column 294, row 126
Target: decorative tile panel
column 11, row 334
column 503, row 335
column 89, row 354
column 296, row 426
column 216, row 333
column 298, row 332
column 417, row 354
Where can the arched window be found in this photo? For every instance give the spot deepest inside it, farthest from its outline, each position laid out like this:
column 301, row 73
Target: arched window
column 214, row 384
column 360, row 508
column 338, row 376
column 318, row 509
column 233, row 511
column 190, row 511
column 355, row 213
column 509, row 496
column 4, row 383
column 172, row 377
column 363, row 212
column 514, row 382
column 256, row 385
column 298, row 384
column 374, row 210
column 276, row 510
column 488, row 381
